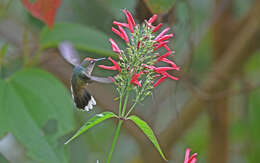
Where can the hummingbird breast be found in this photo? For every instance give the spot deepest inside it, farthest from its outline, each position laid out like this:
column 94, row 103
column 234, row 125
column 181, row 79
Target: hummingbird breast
column 80, row 94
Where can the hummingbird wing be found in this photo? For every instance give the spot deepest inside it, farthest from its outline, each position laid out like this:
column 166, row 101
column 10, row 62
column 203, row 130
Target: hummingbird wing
column 100, row 79
column 69, row 53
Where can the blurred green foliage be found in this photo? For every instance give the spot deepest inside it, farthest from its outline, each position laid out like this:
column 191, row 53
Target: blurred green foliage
column 37, row 109
column 83, row 37
column 29, row 100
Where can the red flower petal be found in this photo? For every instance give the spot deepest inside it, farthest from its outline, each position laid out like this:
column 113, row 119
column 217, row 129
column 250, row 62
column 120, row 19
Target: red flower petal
column 157, row 27
column 121, row 24
column 162, row 33
column 131, row 18
column 107, row 67
column 137, row 83
column 136, row 76
column 166, row 47
column 171, row 63
column 169, row 76
column 134, row 79
column 114, row 46
column 152, row 19
column 192, row 158
column 159, row 81
column 160, row 45
column 115, row 64
column 163, row 69
column 187, row 155
column 149, row 67
column 117, row 32
column 164, row 56
column 188, row 159
column 165, row 37
column 130, row 25
column 124, row 35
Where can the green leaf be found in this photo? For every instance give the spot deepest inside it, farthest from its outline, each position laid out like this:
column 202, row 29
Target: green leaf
column 83, row 37
column 98, row 118
column 148, row 132
column 159, row 6
column 31, row 102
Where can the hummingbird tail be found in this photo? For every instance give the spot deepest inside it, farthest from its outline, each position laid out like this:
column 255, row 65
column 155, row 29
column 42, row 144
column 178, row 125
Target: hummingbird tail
column 85, row 101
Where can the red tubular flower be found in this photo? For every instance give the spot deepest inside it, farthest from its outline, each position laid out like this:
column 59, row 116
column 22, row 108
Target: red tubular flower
column 174, row 66
column 189, row 159
column 152, row 19
column 120, row 24
column 117, row 32
column 161, row 44
column 130, row 25
column 159, row 81
column 157, row 27
column 125, row 37
column 165, row 37
column 149, row 67
column 164, row 56
column 130, row 20
column 115, row 67
column 161, row 70
column 162, row 33
column 115, row 64
column 170, row 76
column 107, row 67
column 114, row 46
column 134, row 79
column 137, row 83
column 166, row 47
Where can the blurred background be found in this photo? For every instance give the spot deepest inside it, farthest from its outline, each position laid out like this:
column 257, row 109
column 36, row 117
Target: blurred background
column 213, row 109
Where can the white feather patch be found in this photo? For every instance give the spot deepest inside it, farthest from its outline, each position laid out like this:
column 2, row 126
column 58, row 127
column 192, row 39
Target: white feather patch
column 71, row 89
column 90, row 105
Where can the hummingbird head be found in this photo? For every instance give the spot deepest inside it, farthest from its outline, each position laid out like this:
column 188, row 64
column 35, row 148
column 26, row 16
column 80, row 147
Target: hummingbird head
column 89, row 63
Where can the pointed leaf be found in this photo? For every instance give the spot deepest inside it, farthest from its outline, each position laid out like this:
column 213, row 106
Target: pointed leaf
column 98, row 118
column 31, row 101
column 44, row 10
column 148, row 132
column 82, row 37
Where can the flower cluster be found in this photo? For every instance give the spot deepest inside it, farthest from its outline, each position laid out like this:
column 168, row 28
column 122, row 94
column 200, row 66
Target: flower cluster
column 137, row 63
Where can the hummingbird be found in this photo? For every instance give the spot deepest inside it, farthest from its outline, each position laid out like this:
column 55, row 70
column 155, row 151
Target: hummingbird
column 81, row 76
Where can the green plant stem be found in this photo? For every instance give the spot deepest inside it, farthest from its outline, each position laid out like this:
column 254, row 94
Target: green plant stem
column 125, row 103
column 120, row 105
column 130, row 110
column 114, row 140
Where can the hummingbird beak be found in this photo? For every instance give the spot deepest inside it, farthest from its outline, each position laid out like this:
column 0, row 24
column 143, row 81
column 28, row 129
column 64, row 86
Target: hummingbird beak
column 100, row 59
